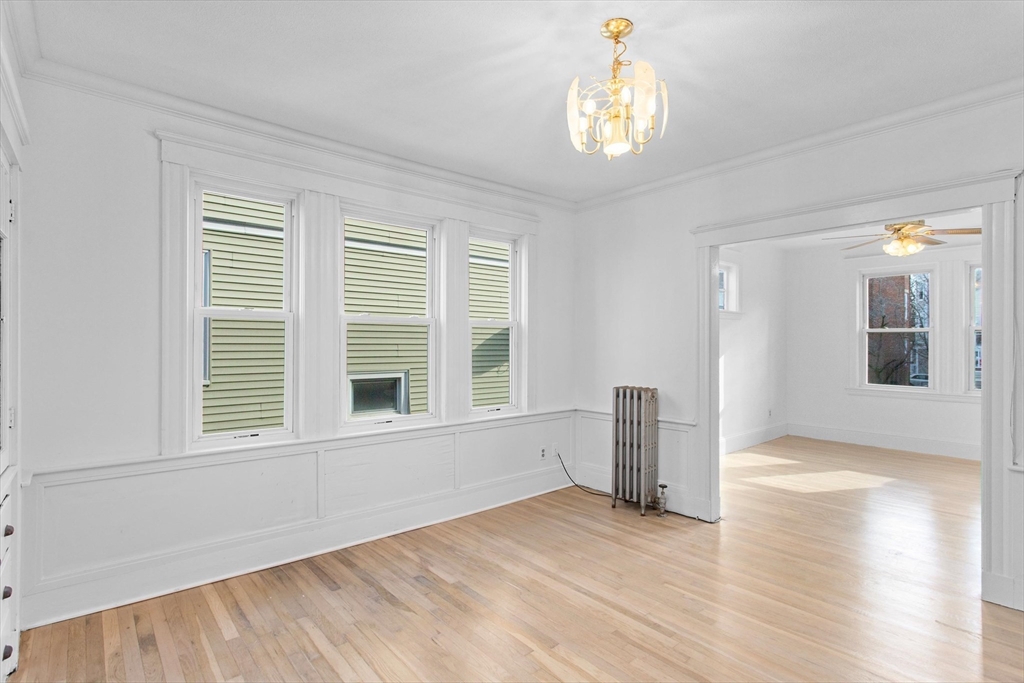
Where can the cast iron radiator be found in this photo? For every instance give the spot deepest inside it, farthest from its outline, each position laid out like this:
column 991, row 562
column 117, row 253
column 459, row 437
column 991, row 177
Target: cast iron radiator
column 635, row 445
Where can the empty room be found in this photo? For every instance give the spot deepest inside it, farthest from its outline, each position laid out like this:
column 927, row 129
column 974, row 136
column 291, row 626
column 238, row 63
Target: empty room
column 519, row 341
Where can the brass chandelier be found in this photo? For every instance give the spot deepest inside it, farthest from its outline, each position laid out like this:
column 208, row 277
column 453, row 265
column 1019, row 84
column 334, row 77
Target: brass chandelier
column 617, row 115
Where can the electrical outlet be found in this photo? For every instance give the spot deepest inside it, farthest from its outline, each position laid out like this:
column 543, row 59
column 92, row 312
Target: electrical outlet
column 543, row 453
column 554, row 448
column 769, row 412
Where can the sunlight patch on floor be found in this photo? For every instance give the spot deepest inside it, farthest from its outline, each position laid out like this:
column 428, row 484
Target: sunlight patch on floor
column 819, row 482
column 754, row 460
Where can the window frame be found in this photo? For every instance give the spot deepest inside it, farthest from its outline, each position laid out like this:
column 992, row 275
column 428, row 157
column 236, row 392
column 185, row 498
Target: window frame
column 513, row 324
column 972, row 328
column 353, row 423
column 864, row 330
column 291, row 199
column 732, row 288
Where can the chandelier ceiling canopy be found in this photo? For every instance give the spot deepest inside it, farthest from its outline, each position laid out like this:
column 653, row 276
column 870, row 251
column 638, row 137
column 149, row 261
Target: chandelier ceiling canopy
column 617, row 115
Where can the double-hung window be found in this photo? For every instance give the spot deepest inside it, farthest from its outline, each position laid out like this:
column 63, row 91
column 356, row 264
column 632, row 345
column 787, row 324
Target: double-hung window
column 388, row 321
column 242, row 315
column 896, row 329
column 493, row 323
column 728, row 287
column 974, row 337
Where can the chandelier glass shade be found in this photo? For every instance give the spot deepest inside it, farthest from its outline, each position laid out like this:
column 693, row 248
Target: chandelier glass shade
column 617, row 115
column 902, row 246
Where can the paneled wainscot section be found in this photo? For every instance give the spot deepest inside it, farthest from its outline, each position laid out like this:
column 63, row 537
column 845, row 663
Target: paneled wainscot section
column 110, row 535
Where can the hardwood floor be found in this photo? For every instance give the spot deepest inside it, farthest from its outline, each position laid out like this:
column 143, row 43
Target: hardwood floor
column 832, row 563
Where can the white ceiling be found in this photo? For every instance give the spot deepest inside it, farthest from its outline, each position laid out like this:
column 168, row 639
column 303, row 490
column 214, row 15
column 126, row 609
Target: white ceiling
column 479, row 87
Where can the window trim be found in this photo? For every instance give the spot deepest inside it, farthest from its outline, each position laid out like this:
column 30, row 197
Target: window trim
column 513, row 324
column 347, row 423
column 196, row 440
column 863, row 330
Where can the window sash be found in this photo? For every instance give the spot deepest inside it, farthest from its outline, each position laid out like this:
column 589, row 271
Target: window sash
column 866, row 330
column 973, row 329
column 511, row 323
column 513, row 365
column 203, row 312
column 203, row 315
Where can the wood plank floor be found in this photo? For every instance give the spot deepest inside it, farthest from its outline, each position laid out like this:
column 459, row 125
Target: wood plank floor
column 832, row 563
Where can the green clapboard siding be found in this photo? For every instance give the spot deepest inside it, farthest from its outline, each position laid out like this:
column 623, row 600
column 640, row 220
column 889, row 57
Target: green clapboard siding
column 391, row 348
column 385, row 270
column 491, row 380
column 245, row 239
column 490, row 299
column 246, row 389
column 489, row 283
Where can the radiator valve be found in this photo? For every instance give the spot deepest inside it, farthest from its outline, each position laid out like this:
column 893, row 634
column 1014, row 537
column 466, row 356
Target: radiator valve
column 660, row 500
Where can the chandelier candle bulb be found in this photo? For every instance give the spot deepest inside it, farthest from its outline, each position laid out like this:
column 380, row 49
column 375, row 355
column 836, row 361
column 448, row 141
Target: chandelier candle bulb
column 617, row 112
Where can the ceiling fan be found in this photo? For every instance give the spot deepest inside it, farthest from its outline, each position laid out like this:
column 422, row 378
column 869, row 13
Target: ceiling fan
column 907, row 238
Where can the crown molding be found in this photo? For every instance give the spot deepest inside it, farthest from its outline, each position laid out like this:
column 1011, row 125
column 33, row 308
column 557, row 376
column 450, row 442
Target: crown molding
column 8, row 83
column 322, row 170
column 951, row 106
column 52, row 73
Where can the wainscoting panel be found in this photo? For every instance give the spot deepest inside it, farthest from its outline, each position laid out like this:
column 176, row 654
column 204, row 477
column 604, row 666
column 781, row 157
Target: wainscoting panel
column 108, row 535
column 98, row 523
column 510, row 451
column 362, row 477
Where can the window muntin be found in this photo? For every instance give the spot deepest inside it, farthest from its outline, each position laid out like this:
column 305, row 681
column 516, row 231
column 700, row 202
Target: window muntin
column 974, row 337
column 492, row 323
column 243, row 317
column 897, row 330
column 388, row 323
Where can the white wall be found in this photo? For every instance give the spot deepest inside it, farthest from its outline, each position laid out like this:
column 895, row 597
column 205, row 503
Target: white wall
column 824, row 401
column 752, row 349
column 636, row 277
column 110, row 520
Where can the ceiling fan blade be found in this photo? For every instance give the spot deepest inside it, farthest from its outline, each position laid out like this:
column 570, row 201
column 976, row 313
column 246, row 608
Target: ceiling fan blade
column 864, row 244
column 852, row 237
column 925, row 239
column 956, row 231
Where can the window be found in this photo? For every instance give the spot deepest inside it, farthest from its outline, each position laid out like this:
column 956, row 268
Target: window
column 975, row 327
column 243, row 314
column 388, row 320
column 728, row 287
column 897, row 329
column 492, row 322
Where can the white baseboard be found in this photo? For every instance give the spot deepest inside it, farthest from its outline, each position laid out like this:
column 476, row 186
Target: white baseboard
column 221, row 561
column 1003, row 590
column 899, row 442
column 736, row 442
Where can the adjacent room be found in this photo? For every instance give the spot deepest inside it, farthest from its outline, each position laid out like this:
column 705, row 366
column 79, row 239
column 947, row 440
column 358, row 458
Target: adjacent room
column 390, row 340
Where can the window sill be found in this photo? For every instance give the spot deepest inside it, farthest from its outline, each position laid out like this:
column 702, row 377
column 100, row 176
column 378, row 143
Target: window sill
column 914, row 394
column 729, row 315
